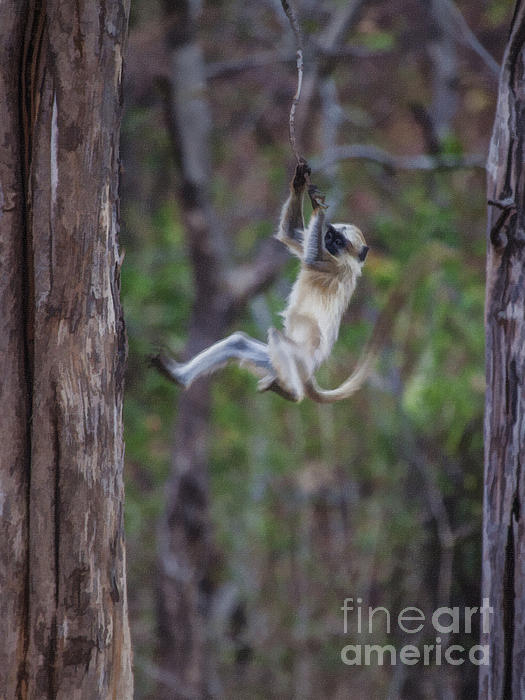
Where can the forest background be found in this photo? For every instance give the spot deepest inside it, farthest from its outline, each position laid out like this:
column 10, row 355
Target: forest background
column 277, row 512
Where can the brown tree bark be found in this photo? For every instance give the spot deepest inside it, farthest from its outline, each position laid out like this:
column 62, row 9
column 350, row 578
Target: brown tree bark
column 504, row 498
column 64, row 609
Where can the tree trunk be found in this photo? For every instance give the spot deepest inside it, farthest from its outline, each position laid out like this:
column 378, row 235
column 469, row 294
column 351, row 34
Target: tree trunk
column 64, row 604
column 504, row 534
column 185, row 533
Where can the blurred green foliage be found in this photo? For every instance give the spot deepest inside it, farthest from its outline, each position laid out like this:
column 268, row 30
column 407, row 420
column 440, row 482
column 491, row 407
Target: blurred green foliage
column 429, row 383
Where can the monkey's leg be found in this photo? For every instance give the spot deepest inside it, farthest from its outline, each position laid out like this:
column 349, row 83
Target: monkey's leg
column 283, row 357
column 238, row 346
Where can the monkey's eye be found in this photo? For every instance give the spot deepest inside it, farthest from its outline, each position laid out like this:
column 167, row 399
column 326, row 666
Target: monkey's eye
column 339, row 241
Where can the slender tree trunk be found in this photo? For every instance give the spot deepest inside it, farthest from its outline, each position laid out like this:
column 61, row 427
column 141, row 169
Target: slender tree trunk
column 186, row 549
column 504, row 534
column 63, row 563
column 185, row 532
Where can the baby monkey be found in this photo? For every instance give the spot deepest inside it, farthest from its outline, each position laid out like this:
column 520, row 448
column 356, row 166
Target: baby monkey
column 332, row 257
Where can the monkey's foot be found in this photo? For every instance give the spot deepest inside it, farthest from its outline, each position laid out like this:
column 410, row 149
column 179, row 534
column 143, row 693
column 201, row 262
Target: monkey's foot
column 169, row 368
column 271, row 383
column 266, row 382
column 317, row 199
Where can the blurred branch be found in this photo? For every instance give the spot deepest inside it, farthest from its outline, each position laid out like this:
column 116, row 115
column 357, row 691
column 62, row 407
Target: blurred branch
column 342, row 21
column 427, row 124
column 246, row 281
column 262, row 59
column 460, row 30
column 388, row 160
column 436, row 122
column 331, row 41
column 234, row 66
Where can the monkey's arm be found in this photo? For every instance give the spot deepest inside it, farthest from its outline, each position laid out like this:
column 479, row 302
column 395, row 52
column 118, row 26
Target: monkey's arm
column 291, row 224
column 314, row 257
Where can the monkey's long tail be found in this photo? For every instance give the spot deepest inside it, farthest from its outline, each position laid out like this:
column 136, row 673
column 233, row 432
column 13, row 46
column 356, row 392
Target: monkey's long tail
column 421, row 265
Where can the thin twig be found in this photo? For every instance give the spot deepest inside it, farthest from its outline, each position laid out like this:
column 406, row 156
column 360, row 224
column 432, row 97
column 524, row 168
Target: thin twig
column 292, row 18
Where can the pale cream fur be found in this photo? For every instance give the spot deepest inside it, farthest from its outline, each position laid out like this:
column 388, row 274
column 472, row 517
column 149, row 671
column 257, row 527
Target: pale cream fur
column 314, row 311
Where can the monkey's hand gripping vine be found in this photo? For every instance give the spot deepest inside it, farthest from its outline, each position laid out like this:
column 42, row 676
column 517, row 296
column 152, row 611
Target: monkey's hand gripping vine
column 332, row 256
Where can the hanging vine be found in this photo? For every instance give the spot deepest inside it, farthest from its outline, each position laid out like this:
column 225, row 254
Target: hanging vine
column 296, row 28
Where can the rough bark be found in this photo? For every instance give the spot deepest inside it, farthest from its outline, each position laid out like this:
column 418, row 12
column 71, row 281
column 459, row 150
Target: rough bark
column 14, row 429
column 63, row 338
column 504, row 534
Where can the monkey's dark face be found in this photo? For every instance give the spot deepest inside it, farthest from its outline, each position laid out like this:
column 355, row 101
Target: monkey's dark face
column 344, row 238
column 335, row 242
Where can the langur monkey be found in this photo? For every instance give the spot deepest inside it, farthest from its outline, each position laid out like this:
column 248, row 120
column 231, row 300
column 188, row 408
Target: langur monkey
column 332, row 257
